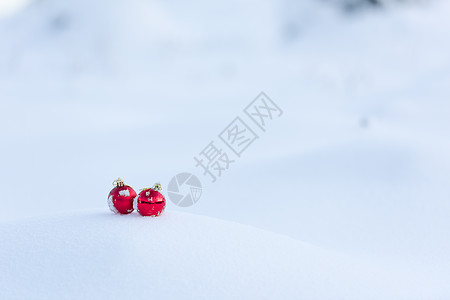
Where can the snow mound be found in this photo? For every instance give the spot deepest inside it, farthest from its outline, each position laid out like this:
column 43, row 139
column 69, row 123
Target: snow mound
column 180, row 256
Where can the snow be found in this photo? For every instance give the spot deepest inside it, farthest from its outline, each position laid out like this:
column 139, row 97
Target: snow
column 135, row 200
column 350, row 184
column 111, row 205
column 98, row 255
column 9, row 7
column 124, row 193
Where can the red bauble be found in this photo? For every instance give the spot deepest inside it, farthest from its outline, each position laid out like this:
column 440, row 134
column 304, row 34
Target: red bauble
column 120, row 199
column 150, row 202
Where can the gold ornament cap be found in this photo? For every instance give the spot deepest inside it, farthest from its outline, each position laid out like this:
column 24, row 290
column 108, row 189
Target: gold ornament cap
column 157, row 187
column 118, row 182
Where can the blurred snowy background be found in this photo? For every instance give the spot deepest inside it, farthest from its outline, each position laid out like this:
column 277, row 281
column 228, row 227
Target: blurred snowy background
column 357, row 164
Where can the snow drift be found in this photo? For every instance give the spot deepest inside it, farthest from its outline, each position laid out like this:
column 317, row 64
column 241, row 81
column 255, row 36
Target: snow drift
column 181, row 256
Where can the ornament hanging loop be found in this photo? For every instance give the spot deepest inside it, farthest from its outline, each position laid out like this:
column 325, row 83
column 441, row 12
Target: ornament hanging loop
column 118, row 182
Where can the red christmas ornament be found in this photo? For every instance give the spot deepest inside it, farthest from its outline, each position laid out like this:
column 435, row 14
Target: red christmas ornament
column 121, row 197
column 150, row 202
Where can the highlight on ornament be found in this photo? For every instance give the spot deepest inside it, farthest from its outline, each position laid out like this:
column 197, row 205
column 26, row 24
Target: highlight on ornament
column 123, row 200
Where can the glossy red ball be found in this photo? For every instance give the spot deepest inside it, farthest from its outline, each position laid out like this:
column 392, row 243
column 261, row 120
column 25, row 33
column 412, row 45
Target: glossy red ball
column 150, row 202
column 120, row 199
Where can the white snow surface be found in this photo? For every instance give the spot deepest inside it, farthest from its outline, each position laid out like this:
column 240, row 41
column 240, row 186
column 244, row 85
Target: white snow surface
column 111, row 205
column 124, row 193
column 99, row 255
column 354, row 175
